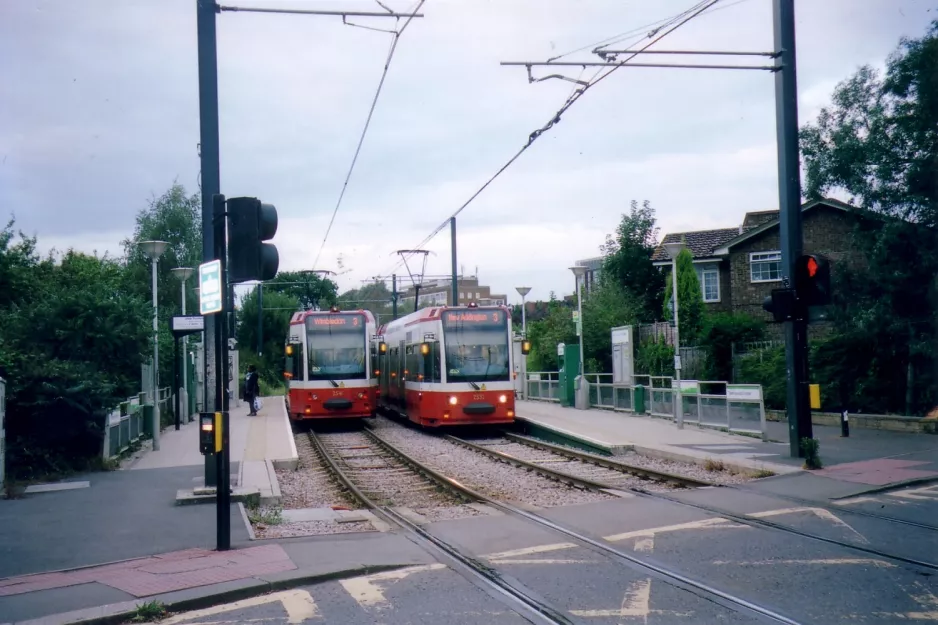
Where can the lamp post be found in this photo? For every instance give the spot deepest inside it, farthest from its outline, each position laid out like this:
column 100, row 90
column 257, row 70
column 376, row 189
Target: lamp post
column 580, row 272
column 523, row 291
column 673, row 249
column 153, row 250
column 183, row 274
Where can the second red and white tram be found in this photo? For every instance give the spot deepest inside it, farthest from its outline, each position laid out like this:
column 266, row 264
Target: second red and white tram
column 448, row 366
column 329, row 370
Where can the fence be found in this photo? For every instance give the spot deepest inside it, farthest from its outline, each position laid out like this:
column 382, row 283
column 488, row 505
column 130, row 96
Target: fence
column 732, row 407
column 127, row 423
column 755, row 349
column 543, row 386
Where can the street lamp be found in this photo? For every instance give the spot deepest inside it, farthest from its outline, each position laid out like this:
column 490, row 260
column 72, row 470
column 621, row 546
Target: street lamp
column 673, row 249
column 580, row 272
column 153, row 250
column 183, row 274
column 523, row 291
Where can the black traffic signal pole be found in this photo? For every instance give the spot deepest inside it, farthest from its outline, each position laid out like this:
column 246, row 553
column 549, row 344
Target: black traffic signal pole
column 789, row 203
column 211, row 185
column 222, row 459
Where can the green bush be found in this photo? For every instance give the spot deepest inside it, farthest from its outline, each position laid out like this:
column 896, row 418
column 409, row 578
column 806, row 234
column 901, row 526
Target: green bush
column 719, row 335
column 654, row 358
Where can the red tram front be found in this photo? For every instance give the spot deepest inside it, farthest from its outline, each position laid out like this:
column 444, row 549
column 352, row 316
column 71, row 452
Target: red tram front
column 448, row 366
column 329, row 370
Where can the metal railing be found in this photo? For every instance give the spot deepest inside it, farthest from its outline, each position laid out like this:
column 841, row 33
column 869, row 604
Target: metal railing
column 737, row 408
column 126, row 424
column 3, row 440
column 543, row 386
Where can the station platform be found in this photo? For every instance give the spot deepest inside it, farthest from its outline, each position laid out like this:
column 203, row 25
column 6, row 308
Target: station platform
column 865, row 462
column 616, row 433
column 259, row 444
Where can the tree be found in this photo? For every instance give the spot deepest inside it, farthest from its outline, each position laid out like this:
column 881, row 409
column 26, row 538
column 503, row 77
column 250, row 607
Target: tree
column 70, row 349
column 877, row 143
column 604, row 308
column 544, row 335
column 628, row 259
column 691, row 313
column 278, row 308
column 310, row 289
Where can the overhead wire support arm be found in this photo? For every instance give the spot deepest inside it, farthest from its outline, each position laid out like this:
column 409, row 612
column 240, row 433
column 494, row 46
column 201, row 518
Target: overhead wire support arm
column 605, row 53
column 343, row 14
column 530, row 64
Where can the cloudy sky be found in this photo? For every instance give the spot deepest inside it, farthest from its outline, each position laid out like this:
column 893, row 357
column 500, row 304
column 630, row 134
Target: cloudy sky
column 99, row 112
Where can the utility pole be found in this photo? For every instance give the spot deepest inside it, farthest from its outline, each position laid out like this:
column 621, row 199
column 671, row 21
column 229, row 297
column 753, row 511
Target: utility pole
column 789, row 204
column 260, row 318
column 211, row 185
column 452, row 226
column 223, row 459
column 394, row 296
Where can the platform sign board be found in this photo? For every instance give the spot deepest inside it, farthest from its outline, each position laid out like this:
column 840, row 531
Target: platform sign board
column 743, row 392
column 188, row 324
column 211, row 294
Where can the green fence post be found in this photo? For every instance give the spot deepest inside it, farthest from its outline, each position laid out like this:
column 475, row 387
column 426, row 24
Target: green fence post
column 639, row 406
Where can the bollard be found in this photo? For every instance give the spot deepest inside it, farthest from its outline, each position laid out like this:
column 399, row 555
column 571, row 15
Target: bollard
column 844, row 424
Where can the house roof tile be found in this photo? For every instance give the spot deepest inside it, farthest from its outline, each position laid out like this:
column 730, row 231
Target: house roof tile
column 701, row 243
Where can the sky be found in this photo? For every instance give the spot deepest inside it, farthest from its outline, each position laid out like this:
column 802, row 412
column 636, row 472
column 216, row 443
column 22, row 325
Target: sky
column 99, row 113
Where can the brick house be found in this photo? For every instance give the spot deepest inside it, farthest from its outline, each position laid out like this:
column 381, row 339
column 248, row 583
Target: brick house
column 738, row 267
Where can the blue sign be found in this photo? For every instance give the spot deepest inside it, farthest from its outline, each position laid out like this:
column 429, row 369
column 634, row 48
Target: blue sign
column 211, row 293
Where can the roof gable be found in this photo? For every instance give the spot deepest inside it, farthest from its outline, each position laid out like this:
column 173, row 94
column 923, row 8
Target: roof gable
column 725, row 248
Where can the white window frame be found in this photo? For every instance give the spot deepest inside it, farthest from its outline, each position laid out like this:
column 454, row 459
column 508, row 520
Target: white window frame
column 703, row 286
column 765, row 257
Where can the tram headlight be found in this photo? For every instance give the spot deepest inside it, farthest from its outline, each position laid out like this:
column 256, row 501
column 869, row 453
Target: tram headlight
column 361, row 396
column 452, row 400
column 502, row 398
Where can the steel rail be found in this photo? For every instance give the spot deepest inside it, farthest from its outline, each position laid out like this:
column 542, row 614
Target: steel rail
column 519, row 599
column 670, row 577
column 608, row 463
column 747, row 520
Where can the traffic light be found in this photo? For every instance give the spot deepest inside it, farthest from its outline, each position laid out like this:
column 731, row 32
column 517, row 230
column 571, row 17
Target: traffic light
column 210, row 431
column 782, row 304
column 525, row 347
column 813, row 280
column 250, row 223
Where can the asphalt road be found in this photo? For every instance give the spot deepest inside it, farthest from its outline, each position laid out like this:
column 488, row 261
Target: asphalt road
column 803, row 579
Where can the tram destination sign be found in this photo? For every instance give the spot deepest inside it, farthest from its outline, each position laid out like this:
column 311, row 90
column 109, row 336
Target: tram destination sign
column 483, row 317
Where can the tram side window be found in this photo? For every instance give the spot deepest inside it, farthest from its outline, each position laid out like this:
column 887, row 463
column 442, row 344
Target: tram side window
column 431, row 364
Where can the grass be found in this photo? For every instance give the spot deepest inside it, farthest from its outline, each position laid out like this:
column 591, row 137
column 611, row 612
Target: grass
column 267, row 516
column 148, row 612
column 714, row 465
column 270, row 390
column 760, row 473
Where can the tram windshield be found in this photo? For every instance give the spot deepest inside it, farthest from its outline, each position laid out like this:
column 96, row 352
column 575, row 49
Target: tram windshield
column 336, row 347
column 477, row 345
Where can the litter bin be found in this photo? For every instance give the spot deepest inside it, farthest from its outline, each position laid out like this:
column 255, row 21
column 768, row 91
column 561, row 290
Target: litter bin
column 639, row 407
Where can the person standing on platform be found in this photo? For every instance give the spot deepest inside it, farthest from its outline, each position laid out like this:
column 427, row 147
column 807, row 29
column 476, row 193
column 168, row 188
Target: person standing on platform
column 251, row 390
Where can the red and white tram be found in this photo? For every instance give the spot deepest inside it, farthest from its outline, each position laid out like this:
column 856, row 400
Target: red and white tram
column 448, row 366
column 329, row 370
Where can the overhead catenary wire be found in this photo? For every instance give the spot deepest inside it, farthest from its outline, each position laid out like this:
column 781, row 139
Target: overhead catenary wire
column 387, row 64
column 656, row 35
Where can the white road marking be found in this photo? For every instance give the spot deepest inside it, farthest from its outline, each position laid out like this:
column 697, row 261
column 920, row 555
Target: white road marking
column 715, row 523
column 821, row 513
column 853, row 500
column 526, row 551
column 298, row 604
column 367, row 591
column 925, row 493
column 822, row 561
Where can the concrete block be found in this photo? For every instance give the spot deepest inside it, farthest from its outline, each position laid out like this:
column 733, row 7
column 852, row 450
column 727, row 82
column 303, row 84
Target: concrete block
column 309, row 514
column 249, row 496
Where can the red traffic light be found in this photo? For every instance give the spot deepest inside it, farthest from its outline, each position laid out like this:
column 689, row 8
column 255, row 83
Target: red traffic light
column 811, row 267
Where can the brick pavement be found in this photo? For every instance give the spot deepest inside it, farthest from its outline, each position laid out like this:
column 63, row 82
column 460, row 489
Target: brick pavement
column 878, row 472
column 169, row 572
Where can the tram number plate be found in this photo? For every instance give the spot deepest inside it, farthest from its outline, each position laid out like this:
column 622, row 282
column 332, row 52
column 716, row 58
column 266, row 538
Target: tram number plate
column 478, row 396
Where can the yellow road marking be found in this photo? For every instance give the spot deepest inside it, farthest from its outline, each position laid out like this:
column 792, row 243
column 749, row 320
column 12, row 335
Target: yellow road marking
column 715, row 523
column 298, row 604
column 367, row 591
column 821, row 513
column 821, row 561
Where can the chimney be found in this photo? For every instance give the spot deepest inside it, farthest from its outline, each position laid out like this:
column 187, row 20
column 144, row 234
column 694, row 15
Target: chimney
column 740, row 228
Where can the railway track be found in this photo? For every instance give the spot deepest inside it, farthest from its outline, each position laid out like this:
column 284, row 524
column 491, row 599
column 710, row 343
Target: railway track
column 588, row 482
column 544, row 611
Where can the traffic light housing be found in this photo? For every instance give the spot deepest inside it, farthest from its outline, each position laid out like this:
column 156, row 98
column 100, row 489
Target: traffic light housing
column 782, row 304
column 210, row 433
column 250, row 224
column 813, row 280
column 525, row 347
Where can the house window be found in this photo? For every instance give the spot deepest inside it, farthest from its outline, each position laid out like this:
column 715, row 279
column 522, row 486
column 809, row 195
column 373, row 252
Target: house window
column 710, row 285
column 765, row 266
